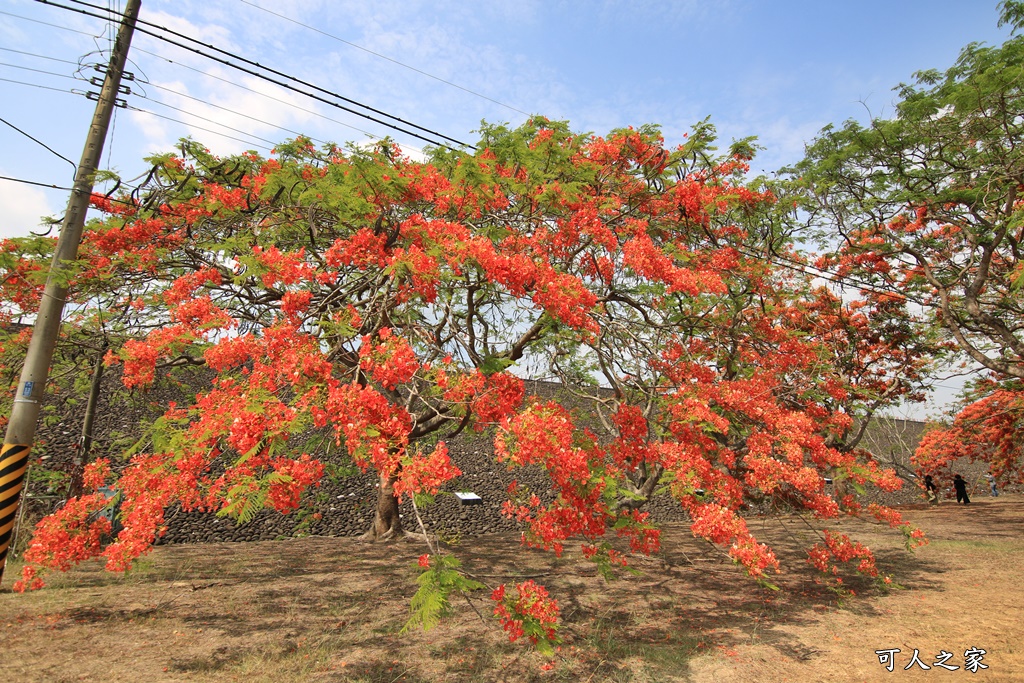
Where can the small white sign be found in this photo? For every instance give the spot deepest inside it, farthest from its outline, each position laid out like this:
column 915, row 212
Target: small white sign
column 468, row 498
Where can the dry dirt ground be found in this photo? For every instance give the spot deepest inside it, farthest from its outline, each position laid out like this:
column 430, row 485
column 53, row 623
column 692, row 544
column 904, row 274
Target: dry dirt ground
column 327, row 609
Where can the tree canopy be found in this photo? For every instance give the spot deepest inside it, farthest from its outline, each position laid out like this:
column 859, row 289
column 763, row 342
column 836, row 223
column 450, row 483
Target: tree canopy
column 358, row 306
column 928, row 209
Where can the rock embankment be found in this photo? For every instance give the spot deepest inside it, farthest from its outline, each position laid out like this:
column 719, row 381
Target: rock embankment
column 344, row 506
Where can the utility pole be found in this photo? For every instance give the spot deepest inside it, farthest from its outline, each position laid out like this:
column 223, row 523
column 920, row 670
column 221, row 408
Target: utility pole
column 21, row 428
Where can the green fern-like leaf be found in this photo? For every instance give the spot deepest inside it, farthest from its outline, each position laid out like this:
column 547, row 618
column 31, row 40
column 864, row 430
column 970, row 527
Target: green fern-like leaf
column 431, row 603
column 245, row 503
column 253, row 505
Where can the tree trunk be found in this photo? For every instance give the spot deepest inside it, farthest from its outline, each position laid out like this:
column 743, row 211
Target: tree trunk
column 387, row 524
column 81, row 458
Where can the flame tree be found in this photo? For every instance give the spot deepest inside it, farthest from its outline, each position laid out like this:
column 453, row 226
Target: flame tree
column 380, row 304
column 929, row 209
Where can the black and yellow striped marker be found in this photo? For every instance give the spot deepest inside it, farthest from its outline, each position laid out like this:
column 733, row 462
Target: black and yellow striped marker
column 13, row 463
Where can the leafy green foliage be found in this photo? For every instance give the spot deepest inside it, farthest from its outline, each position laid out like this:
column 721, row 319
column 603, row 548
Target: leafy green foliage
column 438, row 582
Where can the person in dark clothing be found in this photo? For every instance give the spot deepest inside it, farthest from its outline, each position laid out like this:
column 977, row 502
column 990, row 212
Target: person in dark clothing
column 931, row 491
column 961, row 490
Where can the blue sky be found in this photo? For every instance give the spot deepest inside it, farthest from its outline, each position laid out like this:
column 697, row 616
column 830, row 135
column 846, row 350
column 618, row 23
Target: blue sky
column 779, row 70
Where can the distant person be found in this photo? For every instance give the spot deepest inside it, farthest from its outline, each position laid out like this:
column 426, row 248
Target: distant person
column 992, row 483
column 931, row 491
column 961, row 490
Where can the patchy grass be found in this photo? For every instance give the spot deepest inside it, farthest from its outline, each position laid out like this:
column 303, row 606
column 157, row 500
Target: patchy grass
column 321, row 609
column 985, row 545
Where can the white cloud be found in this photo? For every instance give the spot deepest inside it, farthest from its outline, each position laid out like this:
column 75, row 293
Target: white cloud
column 414, row 33
column 253, row 109
column 212, row 33
column 677, row 12
column 784, row 140
column 264, row 108
column 156, row 133
column 21, row 208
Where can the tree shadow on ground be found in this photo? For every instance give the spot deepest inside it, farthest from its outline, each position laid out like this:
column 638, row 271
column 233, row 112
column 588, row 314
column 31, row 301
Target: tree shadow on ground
column 337, row 606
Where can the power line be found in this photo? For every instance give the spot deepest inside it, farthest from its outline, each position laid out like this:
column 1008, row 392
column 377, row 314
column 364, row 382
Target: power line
column 779, row 261
column 41, row 143
column 208, row 130
column 111, row 30
column 113, row 200
column 847, row 281
column 264, row 76
column 144, row 111
column 178, row 109
column 282, row 74
column 256, row 92
column 38, row 71
column 48, row 73
column 377, row 54
column 36, row 85
column 828, row 275
column 46, row 23
column 297, row 90
column 32, row 54
column 838, row 279
column 831, row 276
column 32, row 182
column 823, row 274
column 230, row 111
column 208, row 120
column 169, row 106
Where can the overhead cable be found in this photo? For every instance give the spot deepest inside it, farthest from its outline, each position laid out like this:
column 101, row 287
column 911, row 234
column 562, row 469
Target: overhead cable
column 180, row 94
column 256, row 92
column 377, row 54
column 38, row 71
column 46, row 23
column 226, row 109
column 301, row 92
column 36, row 85
column 209, row 120
column 263, row 76
column 33, row 182
column 32, row 54
column 169, row 106
column 41, row 143
column 208, row 130
column 846, row 280
column 831, row 276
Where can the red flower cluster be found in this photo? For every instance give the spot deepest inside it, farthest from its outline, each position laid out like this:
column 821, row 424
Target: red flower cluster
column 381, row 301
column 527, row 611
column 390, row 361
column 293, row 478
column 425, row 473
column 840, row 547
column 65, row 538
column 987, row 429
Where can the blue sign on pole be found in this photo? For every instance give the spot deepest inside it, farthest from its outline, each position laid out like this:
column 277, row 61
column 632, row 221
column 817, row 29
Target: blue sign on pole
column 27, row 391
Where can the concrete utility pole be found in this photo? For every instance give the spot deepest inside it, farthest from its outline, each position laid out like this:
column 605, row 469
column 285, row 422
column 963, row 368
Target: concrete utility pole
column 21, row 428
